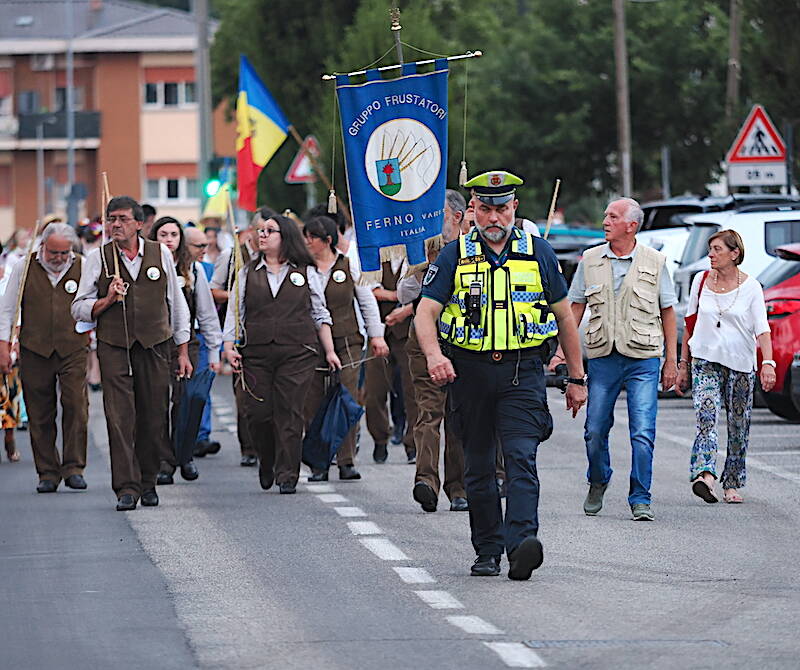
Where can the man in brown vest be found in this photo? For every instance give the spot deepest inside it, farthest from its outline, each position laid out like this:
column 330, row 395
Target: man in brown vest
column 379, row 375
column 52, row 354
column 132, row 345
column 219, row 289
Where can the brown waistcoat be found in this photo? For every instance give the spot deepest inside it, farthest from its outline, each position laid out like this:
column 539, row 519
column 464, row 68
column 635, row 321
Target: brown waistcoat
column 389, row 281
column 47, row 324
column 284, row 319
column 339, row 297
column 146, row 305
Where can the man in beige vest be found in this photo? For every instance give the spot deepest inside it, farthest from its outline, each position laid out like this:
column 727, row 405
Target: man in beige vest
column 52, row 354
column 133, row 346
column 631, row 322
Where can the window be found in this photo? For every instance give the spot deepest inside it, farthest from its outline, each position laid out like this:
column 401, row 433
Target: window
column 5, row 106
column 170, row 94
column 61, row 99
column 172, row 189
column 778, row 233
column 151, row 94
column 152, row 189
column 28, row 102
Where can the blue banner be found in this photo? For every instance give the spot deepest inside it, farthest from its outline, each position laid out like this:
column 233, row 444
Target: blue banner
column 395, row 148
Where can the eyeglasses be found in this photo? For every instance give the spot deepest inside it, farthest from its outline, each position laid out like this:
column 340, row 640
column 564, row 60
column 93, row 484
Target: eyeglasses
column 198, row 246
column 58, row 253
column 121, row 219
column 266, row 232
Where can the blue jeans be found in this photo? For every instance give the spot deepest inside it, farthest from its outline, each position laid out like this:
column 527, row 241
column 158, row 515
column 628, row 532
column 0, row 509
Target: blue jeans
column 607, row 376
column 202, row 363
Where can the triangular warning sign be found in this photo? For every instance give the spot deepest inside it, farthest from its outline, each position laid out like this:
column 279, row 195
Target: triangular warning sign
column 301, row 171
column 758, row 140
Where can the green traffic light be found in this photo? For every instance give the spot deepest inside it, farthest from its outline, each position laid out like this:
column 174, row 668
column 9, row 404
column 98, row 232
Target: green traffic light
column 212, row 187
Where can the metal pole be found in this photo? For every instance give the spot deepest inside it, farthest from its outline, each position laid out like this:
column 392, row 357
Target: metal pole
column 72, row 208
column 394, row 13
column 623, row 98
column 788, row 134
column 203, row 77
column 665, row 172
column 734, row 66
column 40, row 170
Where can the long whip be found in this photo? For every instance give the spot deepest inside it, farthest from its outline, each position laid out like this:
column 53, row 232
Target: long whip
column 552, row 208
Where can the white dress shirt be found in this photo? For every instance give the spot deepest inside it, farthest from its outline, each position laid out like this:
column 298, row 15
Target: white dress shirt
column 87, row 294
column 319, row 310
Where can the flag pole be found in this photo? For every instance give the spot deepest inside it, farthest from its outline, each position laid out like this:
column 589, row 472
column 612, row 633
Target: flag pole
column 552, row 208
column 318, row 170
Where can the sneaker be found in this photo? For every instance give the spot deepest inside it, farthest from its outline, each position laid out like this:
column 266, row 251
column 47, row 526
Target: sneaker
column 379, row 453
column 485, row 566
column 525, row 559
column 642, row 512
column 411, row 456
column 594, row 499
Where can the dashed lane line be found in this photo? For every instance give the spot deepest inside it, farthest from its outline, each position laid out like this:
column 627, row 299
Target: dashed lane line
column 414, row 575
column 439, row 600
column 473, row 625
column 516, row 654
column 384, row 549
column 320, row 488
column 364, row 528
column 350, row 511
column 332, row 498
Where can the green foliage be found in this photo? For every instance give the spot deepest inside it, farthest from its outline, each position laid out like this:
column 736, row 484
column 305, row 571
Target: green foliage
column 541, row 102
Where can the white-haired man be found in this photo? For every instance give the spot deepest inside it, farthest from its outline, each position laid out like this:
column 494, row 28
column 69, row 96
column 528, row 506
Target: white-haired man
column 632, row 320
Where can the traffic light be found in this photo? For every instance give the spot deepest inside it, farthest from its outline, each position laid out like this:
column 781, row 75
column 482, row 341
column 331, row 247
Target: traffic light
column 212, row 186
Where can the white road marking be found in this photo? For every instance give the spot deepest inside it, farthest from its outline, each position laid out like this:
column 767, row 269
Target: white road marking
column 414, row 575
column 384, row 549
column 332, row 498
column 350, row 511
column 364, row 528
column 778, row 472
column 516, row 654
column 232, row 430
column 787, row 452
column 439, row 600
column 474, row 625
column 313, row 487
column 222, row 411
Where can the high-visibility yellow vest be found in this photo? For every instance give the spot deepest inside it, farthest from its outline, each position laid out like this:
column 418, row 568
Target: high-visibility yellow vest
column 514, row 313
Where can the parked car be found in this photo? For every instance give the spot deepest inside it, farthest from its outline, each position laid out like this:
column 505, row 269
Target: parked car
column 781, row 282
column 763, row 228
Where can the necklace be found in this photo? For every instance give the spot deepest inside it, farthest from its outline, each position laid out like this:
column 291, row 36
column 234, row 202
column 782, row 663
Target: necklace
column 721, row 311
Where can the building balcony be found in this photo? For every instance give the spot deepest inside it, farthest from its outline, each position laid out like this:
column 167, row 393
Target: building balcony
column 54, row 125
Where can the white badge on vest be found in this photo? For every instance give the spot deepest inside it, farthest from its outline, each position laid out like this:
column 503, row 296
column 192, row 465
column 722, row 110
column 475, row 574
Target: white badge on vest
column 153, row 273
column 181, row 281
column 70, row 286
column 339, row 276
column 297, row 279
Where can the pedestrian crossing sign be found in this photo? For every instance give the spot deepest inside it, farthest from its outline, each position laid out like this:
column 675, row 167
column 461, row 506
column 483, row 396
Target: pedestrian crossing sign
column 758, row 140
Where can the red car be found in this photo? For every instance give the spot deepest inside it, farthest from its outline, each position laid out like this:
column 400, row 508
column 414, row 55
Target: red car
column 781, row 282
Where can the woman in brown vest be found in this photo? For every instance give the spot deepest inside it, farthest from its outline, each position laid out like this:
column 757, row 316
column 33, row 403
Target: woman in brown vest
column 194, row 286
column 278, row 322
column 339, row 275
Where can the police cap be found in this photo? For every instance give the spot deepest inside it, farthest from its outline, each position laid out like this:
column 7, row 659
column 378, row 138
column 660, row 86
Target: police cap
column 494, row 188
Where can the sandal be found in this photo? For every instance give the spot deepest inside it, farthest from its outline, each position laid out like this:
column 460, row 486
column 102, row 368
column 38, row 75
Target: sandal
column 732, row 497
column 702, row 490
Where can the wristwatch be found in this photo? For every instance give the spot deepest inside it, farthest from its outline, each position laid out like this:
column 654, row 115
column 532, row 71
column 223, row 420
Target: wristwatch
column 578, row 381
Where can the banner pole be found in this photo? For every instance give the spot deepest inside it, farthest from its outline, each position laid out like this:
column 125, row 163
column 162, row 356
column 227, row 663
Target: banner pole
column 552, row 208
column 318, row 169
column 469, row 54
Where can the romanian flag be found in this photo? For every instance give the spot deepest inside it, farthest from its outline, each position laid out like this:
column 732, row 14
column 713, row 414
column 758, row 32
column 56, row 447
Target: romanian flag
column 261, row 129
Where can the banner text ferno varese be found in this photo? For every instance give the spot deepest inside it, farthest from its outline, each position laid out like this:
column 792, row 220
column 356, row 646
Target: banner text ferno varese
column 395, row 145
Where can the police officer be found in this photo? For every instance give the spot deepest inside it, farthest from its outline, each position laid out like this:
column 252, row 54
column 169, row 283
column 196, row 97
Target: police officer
column 491, row 307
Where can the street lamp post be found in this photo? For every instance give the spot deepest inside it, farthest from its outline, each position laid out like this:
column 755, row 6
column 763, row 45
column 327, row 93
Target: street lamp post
column 40, row 164
column 623, row 99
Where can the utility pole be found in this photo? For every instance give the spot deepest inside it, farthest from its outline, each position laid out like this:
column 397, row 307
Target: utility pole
column 394, row 13
column 623, row 98
column 734, row 66
column 203, row 86
column 69, row 100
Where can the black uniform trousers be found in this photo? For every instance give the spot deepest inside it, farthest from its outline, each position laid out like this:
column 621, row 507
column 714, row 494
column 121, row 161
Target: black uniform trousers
column 506, row 398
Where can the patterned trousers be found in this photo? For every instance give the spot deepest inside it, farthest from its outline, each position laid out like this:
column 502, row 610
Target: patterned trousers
column 714, row 385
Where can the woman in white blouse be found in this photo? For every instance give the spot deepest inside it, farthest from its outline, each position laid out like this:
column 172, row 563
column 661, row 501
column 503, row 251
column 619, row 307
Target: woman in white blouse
column 339, row 275
column 731, row 319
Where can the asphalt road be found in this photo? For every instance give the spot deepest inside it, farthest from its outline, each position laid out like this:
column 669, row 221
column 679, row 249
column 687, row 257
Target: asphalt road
column 354, row 575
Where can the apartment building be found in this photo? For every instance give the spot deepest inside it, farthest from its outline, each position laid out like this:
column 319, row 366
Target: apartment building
column 135, row 107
